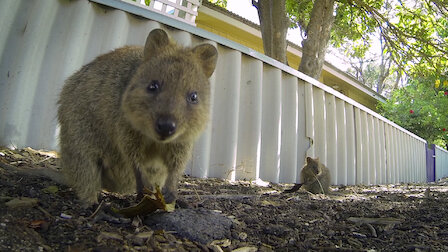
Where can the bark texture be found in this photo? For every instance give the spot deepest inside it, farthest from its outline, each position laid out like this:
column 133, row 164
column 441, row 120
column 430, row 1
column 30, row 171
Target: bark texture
column 274, row 25
column 317, row 37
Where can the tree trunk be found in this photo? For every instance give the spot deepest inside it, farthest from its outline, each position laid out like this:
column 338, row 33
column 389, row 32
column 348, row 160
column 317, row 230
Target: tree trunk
column 274, row 26
column 384, row 68
column 397, row 81
column 317, row 38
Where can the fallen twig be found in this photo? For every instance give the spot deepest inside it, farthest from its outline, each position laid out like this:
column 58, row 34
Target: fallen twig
column 45, row 212
column 97, row 210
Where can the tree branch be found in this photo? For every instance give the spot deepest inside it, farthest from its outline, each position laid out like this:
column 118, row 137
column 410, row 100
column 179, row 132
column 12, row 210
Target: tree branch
column 405, row 44
column 255, row 3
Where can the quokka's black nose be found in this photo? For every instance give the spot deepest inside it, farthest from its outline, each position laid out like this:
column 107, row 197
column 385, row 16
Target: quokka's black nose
column 165, row 126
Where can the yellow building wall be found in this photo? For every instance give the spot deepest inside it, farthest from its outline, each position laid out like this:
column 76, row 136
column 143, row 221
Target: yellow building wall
column 238, row 35
column 242, row 36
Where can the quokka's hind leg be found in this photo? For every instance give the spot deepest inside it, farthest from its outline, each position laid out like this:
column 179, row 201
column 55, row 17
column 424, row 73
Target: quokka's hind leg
column 81, row 172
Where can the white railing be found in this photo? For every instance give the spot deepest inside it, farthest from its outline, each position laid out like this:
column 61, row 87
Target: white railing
column 181, row 10
column 266, row 117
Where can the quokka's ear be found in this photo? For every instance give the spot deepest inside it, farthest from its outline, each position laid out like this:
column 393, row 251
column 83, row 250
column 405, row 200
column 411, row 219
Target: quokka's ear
column 207, row 56
column 155, row 43
column 309, row 160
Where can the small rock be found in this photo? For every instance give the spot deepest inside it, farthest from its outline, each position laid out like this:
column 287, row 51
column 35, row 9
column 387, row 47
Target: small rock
column 66, row 216
column 200, row 225
column 242, row 236
column 359, row 235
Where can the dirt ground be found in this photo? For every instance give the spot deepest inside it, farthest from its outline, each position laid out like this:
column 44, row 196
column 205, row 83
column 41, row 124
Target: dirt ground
column 38, row 214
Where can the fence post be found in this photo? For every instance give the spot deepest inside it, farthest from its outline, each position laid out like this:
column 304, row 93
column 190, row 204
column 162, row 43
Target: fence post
column 430, row 163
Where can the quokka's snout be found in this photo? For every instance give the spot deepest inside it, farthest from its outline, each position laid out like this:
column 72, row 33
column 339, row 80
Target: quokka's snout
column 165, row 126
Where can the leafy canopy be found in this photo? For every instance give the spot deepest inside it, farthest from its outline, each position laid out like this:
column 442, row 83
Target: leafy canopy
column 221, row 3
column 147, row 2
column 422, row 108
column 413, row 30
column 422, row 105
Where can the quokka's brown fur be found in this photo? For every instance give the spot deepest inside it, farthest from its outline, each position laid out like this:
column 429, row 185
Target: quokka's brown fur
column 130, row 117
column 315, row 176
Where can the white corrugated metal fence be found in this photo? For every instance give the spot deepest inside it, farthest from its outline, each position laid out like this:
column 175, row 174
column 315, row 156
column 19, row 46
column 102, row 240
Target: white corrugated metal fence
column 441, row 166
column 266, row 117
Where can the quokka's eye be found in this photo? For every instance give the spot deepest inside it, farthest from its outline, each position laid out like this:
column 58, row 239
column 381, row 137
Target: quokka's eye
column 153, row 86
column 193, row 97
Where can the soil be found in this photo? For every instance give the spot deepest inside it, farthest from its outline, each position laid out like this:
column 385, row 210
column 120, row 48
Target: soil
column 39, row 214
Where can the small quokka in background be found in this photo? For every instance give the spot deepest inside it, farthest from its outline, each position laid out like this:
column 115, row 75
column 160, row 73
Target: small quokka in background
column 315, row 177
column 129, row 118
